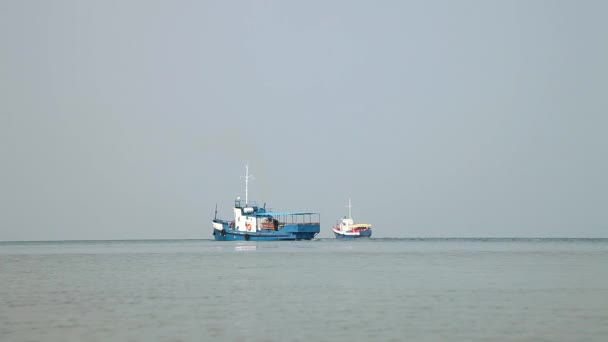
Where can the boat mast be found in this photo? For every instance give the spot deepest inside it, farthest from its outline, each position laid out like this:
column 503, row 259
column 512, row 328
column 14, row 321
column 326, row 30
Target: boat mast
column 247, row 176
column 350, row 215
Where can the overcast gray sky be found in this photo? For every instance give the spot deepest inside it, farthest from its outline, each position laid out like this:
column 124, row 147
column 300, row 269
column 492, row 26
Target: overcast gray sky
column 131, row 119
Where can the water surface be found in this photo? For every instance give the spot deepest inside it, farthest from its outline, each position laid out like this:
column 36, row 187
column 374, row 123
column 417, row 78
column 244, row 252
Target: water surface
column 320, row 290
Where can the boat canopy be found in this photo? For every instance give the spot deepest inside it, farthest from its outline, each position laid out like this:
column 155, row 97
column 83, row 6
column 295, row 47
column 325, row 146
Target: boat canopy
column 361, row 225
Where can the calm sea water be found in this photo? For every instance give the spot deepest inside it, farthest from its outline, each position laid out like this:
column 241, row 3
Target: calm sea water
column 320, row 290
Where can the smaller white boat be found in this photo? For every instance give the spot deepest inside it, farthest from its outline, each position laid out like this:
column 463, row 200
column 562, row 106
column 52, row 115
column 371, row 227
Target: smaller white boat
column 346, row 227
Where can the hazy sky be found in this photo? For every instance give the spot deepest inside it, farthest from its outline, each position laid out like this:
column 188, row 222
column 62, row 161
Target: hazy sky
column 132, row 119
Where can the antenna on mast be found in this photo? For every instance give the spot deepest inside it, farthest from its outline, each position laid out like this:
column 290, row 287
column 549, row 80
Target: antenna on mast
column 246, row 177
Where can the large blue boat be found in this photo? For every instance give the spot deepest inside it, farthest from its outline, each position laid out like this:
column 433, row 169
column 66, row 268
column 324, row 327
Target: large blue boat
column 255, row 223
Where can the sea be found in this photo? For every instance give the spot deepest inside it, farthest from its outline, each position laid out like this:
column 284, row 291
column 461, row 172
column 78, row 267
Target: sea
column 319, row 290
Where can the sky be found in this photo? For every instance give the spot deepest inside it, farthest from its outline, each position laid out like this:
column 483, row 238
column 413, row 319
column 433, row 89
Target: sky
column 133, row 119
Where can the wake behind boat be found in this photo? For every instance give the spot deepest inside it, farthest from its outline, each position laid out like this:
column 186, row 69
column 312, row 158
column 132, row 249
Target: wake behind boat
column 252, row 222
column 346, row 228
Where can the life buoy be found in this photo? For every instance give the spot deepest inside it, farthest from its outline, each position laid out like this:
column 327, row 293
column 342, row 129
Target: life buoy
column 248, row 225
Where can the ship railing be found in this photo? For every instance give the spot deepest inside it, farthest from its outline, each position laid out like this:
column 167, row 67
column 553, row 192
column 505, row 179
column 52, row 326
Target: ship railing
column 240, row 203
column 275, row 221
column 302, row 219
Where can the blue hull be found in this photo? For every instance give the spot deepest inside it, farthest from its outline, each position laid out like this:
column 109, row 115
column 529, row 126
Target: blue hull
column 363, row 234
column 240, row 236
column 289, row 232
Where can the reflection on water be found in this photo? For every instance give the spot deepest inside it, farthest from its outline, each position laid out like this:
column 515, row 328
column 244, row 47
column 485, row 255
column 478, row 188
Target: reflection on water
column 245, row 248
